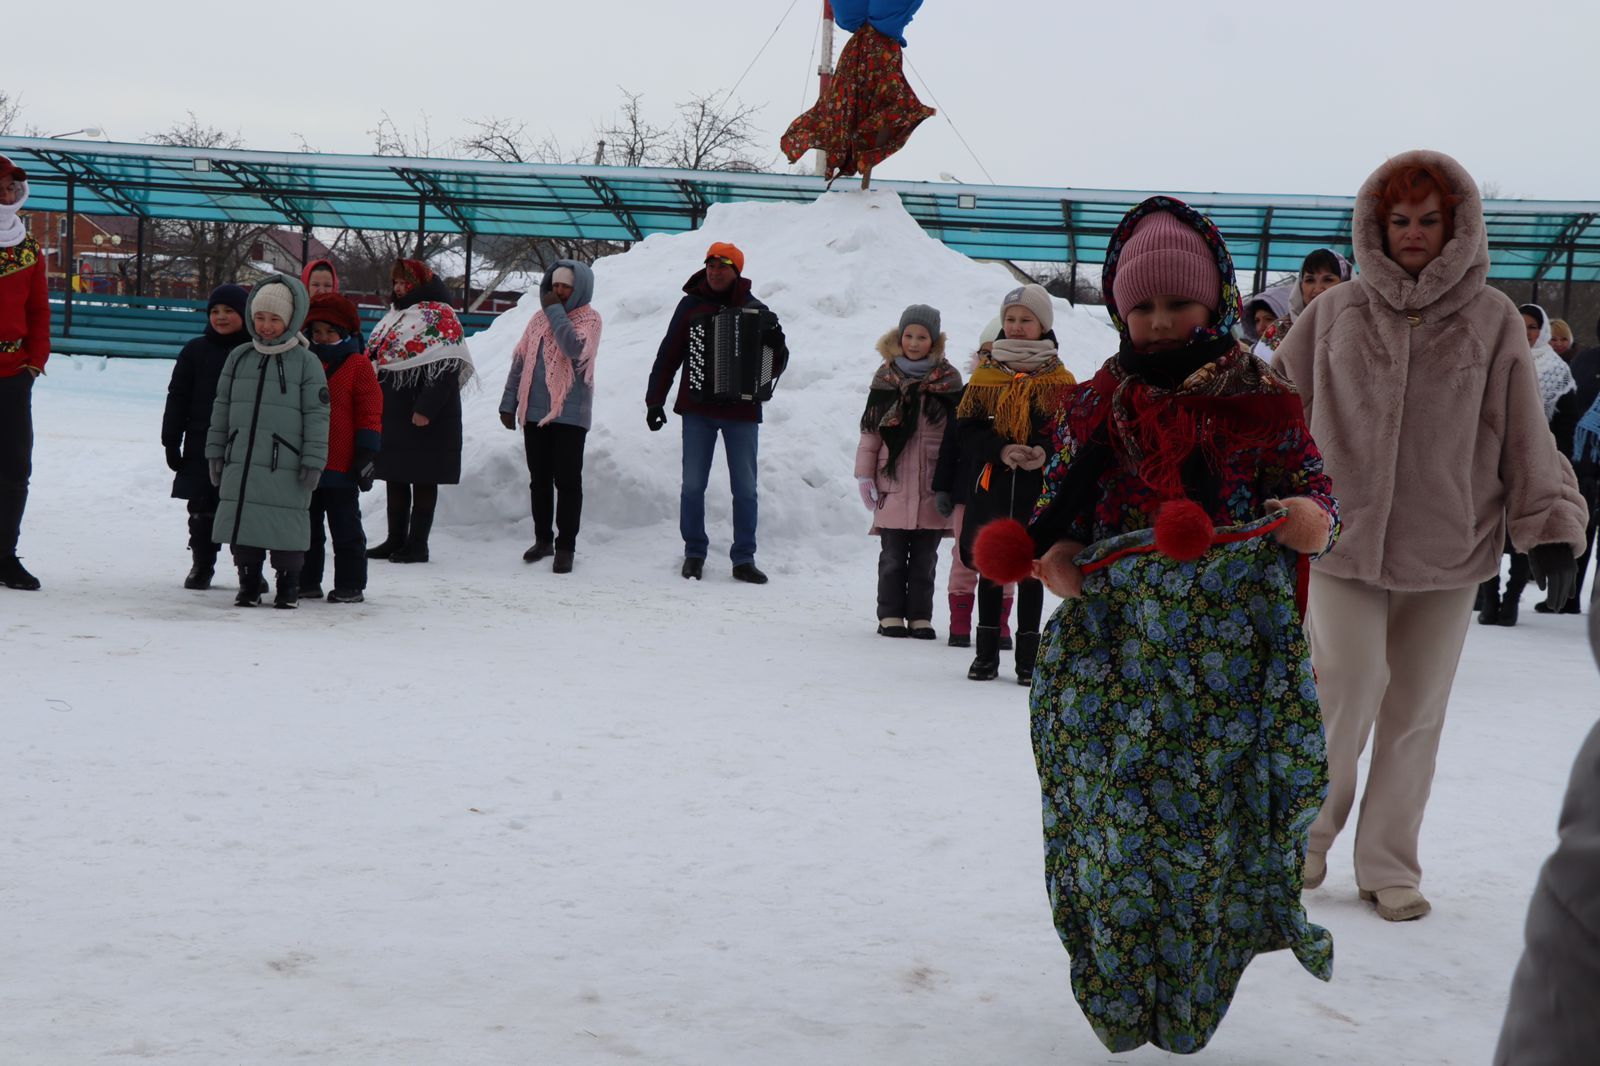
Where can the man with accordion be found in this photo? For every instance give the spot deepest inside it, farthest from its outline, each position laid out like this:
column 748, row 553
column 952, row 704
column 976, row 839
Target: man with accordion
column 727, row 349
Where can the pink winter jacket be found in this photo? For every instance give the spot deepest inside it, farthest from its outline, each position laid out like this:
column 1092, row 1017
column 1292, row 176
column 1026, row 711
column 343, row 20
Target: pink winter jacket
column 1422, row 395
column 905, row 501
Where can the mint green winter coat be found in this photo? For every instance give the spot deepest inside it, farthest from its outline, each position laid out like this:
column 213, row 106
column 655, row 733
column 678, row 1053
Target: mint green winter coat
column 269, row 421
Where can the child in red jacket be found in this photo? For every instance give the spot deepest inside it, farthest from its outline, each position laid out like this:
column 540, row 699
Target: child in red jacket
column 355, row 427
column 24, row 347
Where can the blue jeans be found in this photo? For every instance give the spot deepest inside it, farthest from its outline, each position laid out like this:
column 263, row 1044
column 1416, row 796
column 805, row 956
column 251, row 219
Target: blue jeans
column 699, row 447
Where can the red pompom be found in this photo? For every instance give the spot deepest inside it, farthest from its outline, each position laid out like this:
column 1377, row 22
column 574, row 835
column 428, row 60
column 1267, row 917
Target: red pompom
column 1183, row 530
column 1003, row 551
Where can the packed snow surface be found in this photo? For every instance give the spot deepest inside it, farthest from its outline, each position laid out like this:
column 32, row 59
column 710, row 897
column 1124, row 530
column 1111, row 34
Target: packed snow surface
column 499, row 816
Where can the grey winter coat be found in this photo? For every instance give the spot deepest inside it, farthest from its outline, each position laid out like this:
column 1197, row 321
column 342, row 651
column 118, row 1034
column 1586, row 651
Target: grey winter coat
column 1551, row 1020
column 579, row 408
column 269, row 421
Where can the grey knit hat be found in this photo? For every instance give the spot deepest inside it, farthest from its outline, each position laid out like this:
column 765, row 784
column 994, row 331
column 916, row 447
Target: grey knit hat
column 921, row 315
column 1035, row 299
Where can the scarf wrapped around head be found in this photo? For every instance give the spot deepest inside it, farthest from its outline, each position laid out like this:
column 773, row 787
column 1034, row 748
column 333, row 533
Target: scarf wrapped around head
column 1013, row 382
column 12, row 230
column 897, row 399
column 421, row 339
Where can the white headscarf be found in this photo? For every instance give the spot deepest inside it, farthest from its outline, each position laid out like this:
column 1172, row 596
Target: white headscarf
column 1555, row 376
column 12, row 231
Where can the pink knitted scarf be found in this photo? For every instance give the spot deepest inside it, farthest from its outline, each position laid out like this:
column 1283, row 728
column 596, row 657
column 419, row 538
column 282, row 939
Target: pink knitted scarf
column 558, row 369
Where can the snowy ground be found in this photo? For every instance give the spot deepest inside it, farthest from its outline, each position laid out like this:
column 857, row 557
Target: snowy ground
column 497, row 816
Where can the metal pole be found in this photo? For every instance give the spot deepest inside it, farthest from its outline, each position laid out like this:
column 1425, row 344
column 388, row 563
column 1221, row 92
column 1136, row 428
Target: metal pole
column 422, row 223
column 825, row 74
column 138, row 285
column 70, row 240
column 1566, row 287
column 466, row 280
column 305, row 246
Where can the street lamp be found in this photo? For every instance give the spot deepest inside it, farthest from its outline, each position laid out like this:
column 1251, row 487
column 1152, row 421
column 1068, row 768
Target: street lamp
column 87, row 131
column 945, row 175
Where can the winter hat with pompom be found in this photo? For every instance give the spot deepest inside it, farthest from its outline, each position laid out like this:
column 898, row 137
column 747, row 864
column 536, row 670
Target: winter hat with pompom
column 1166, row 257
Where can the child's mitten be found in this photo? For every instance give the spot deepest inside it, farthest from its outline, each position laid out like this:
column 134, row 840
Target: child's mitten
column 869, row 492
column 1307, row 528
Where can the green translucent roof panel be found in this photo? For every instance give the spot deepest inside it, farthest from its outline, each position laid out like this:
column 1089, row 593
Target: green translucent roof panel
column 1272, row 232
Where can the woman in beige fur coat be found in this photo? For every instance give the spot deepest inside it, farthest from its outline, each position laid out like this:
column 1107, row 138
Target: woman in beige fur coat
column 1419, row 388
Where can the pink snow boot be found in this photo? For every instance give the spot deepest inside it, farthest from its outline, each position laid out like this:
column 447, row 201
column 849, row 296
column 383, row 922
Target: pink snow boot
column 961, row 619
column 1005, row 624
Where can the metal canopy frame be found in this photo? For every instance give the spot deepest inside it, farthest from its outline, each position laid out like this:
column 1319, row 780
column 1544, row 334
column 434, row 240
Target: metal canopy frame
column 1530, row 240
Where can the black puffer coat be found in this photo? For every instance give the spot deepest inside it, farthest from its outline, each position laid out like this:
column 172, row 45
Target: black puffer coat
column 190, row 394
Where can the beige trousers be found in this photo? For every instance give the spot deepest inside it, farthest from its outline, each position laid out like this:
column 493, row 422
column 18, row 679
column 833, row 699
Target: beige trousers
column 1385, row 662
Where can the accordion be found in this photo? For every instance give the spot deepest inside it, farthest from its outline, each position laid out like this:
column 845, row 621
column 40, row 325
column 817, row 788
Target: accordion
column 728, row 358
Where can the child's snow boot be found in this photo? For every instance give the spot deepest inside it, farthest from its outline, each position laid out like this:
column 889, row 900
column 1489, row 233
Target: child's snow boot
column 1488, row 605
column 1027, row 652
column 1511, row 601
column 288, row 597
column 961, row 619
column 203, row 570
column 1005, row 624
column 986, row 663
column 250, row 586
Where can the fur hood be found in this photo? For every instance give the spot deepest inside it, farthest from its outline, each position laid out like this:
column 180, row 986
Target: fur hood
column 889, row 347
column 1449, row 282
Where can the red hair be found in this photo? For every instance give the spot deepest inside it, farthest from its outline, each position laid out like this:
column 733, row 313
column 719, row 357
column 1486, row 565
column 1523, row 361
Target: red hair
column 1412, row 182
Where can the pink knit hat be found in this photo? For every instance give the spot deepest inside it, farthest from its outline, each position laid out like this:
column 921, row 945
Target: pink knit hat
column 1164, row 257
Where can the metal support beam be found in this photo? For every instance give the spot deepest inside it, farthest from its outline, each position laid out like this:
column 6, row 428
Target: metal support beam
column 432, row 192
column 259, row 184
column 1566, row 287
column 305, row 246
column 422, row 224
column 73, row 169
column 466, row 277
column 697, row 203
column 1263, row 250
column 70, row 239
column 1072, row 251
column 138, row 284
column 614, row 204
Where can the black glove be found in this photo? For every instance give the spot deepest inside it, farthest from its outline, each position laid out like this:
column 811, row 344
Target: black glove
column 944, row 503
column 1554, row 570
column 174, row 458
column 362, row 464
column 508, row 419
column 655, row 418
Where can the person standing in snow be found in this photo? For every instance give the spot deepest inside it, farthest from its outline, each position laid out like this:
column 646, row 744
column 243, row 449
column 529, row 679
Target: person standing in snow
column 720, row 284
column 911, row 400
column 355, row 437
column 1175, row 722
column 268, row 442
column 1433, row 467
column 1001, row 429
column 191, row 395
column 1559, row 393
column 24, row 348
column 550, row 393
column 423, row 364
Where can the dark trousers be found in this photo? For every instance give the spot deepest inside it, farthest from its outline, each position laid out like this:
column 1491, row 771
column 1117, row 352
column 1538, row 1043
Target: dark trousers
column 339, row 509
column 202, row 516
column 555, row 481
column 1030, row 604
column 16, row 455
column 1588, row 551
column 906, row 565
column 291, row 562
column 410, row 512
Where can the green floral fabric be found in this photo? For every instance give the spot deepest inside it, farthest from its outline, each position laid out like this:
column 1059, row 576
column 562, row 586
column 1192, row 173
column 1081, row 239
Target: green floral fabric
column 1181, row 758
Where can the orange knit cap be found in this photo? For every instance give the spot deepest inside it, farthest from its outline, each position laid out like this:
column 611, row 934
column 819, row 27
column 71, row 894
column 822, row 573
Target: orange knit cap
column 730, row 252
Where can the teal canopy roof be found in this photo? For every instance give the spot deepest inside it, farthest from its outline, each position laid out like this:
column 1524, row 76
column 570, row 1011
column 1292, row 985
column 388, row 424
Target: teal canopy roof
column 1528, row 238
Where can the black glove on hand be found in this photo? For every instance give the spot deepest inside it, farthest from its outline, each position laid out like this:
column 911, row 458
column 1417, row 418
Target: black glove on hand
column 174, row 458
column 1554, row 570
column 655, row 418
column 944, row 503
column 362, row 465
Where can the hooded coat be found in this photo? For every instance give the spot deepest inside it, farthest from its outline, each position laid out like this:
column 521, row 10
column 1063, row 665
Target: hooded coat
column 905, row 496
column 1422, row 395
column 578, row 408
column 269, row 421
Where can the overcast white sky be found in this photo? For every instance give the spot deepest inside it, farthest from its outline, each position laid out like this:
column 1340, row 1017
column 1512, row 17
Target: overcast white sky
column 1295, row 97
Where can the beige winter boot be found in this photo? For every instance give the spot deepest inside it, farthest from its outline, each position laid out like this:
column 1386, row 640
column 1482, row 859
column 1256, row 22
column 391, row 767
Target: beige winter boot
column 1315, row 870
column 1398, row 904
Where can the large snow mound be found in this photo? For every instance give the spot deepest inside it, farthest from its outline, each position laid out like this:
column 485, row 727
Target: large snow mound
column 837, row 272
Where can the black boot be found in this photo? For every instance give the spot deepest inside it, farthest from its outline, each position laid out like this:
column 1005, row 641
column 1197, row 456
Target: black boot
column 986, row 664
column 1027, row 652
column 399, row 510
column 563, row 563
column 693, row 566
column 542, row 549
column 14, row 576
column 1511, row 601
column 204, row 568
column 288, row 597
column 1489, row 602
column 250, row 586
column 416, row 546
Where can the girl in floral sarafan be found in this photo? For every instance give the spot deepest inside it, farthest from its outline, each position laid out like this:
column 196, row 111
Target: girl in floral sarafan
column 1175, row 722
column 911, row 400
column 423, row 363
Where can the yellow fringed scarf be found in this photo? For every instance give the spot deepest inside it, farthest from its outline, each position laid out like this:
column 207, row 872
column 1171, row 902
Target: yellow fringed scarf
column 1012, row 397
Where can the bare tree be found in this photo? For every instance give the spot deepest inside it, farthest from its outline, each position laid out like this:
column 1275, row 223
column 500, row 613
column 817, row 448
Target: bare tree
column 631, row 140
column 707, row 137
column 10, row 112
column 366, row 256
column 208, row 252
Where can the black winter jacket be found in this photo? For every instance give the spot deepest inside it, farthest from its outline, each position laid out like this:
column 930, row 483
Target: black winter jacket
column 190, row 394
